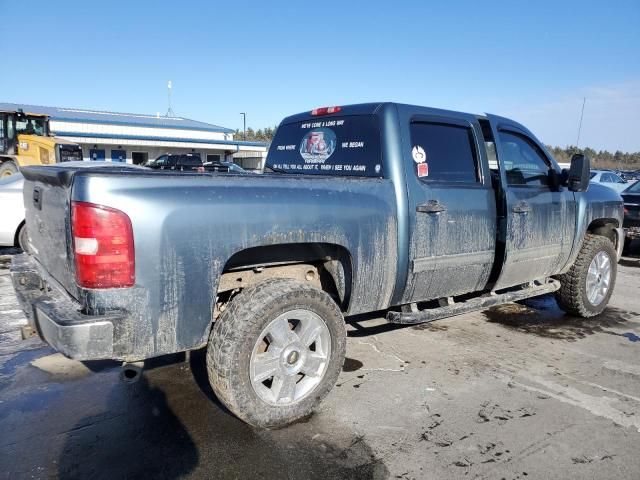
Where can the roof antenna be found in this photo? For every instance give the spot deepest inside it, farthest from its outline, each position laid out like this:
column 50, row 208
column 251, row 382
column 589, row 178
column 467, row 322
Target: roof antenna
column 170, row 113
column 584, row 100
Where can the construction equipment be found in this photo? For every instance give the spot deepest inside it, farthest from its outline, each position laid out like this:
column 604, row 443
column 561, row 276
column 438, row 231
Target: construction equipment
column 25, row 140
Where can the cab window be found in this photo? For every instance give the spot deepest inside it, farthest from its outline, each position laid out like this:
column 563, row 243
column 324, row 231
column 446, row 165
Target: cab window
column 30, row 126
column 525, row 164
column 444, row 152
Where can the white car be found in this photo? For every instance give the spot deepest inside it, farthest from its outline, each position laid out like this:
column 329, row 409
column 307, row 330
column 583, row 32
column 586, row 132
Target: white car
column 12, row 229
column 608, row 179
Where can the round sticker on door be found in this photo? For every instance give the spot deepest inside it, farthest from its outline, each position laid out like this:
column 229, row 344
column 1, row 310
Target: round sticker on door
column 418, row 154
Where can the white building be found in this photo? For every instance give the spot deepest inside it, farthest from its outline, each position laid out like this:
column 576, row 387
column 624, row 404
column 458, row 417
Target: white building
column 136, row 138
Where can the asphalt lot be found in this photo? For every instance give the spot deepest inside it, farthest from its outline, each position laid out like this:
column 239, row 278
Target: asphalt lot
column 519, row 391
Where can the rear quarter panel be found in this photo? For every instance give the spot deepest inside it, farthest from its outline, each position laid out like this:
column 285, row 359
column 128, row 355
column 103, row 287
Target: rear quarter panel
column 186, row 227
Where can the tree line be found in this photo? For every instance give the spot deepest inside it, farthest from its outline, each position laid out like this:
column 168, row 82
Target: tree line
column 599, row 158
column 260, row 135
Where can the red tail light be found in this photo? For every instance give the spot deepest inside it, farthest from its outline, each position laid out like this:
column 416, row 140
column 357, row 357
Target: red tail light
column 325, row 111
column 103, row 246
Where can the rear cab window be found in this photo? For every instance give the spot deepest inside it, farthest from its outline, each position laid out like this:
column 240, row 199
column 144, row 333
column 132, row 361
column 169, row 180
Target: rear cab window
column 444, row 152
column 346, row 145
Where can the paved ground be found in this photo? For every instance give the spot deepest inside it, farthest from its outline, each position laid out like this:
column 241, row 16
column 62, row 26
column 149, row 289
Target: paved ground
column 515, row 392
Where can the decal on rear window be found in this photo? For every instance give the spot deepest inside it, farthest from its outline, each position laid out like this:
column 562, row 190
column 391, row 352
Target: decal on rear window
column 347, row 145
column 318, row 145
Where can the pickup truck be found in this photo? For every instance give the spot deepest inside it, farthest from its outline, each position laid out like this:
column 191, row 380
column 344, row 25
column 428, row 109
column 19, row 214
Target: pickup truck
column 417, row 212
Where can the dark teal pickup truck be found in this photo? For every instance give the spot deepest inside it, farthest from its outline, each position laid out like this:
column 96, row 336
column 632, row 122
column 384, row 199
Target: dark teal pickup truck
column 419, row 212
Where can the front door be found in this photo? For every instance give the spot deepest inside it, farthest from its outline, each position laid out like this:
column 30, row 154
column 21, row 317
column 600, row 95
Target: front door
column 453, row 217
column 540, row 218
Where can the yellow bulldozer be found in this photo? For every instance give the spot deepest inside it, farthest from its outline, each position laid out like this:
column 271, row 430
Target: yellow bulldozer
column 25, row 139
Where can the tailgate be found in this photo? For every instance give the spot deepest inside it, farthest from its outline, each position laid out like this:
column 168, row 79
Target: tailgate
column 47, row 193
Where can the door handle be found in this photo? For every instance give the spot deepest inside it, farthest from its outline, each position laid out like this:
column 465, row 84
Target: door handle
column 432, row 206
column 521, row 207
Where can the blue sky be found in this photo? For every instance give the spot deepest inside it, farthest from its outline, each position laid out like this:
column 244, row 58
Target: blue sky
column 532, row 61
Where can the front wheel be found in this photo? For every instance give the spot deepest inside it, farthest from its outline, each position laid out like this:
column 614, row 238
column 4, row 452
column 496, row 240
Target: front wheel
column 8, row 167
column 586, row 288
column 276, row 352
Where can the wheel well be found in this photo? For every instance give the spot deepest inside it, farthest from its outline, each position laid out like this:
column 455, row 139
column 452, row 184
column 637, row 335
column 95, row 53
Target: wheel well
column 324, row 265
column 604, row 227
column 16, row 241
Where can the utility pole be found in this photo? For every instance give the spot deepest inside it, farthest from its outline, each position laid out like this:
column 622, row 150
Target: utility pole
column 584, row 100
column 244, row 125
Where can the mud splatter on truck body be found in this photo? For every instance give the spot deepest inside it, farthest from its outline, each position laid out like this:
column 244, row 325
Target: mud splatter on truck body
column 394, row 236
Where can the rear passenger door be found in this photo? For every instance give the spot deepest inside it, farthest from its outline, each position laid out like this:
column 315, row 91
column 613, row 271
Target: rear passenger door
column 452, row 209
column 540, row 217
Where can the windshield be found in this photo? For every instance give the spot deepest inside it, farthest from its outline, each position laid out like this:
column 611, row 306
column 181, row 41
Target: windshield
column 31, row 126
column 593, row 174
column 345, row 146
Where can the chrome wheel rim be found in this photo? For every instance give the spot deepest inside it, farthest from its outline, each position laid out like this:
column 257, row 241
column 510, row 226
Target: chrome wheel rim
column 598, row 278
column 290, row 357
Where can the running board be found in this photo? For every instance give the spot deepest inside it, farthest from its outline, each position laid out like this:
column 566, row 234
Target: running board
column 474, row 304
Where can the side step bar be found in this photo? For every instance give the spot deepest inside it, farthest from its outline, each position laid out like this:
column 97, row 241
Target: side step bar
column 474, row 304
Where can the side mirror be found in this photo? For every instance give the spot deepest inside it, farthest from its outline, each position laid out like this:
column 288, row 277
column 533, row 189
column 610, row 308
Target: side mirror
column 578, row 176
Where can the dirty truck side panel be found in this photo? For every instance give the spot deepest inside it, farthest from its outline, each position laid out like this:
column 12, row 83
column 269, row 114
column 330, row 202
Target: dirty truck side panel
column 540, row 223
column 451, row 252
column 186, row 227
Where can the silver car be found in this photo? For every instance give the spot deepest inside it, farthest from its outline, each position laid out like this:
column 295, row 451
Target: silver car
column 608, row 179
column 12, row 227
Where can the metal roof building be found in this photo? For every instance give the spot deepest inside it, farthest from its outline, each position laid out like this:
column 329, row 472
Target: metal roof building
column 136, row 138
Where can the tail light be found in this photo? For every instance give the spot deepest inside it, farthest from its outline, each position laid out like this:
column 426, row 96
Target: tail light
column 325, row 111
column 103, row 246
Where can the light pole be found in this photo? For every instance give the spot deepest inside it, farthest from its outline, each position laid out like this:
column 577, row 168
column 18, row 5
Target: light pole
column 244, row 125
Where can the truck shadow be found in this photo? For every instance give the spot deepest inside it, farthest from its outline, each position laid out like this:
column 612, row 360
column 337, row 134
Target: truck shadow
column 171, row 425
column 138, row 436
column 541, row 316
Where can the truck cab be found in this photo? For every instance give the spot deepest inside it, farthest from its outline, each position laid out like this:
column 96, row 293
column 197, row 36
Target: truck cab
column 25, row 140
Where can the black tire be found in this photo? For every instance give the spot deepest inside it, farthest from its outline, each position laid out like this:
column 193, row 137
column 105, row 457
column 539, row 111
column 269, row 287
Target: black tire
column 8, row 167
column 572, row 296
column 236, row 332
column 23, row 241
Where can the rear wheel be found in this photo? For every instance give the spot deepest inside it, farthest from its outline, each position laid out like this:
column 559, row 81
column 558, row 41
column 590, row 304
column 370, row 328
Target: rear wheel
column 276, row 352
column 587, row 287
column 8, row 167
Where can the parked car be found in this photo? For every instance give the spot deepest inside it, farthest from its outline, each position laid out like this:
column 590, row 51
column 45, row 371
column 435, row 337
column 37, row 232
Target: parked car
column 631, row 199
column 424, row 213
column 12, row 225
column 608, row 179
column 225, row 167
column 179, row 161
column 630, row 175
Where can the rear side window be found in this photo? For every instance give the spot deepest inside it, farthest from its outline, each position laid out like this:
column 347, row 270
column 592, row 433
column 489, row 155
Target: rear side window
column 444, row 152
column 337, row 145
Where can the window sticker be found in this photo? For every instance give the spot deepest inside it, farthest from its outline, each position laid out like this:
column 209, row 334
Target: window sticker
column 418, row 154
column 423, row 169
column 318, row 145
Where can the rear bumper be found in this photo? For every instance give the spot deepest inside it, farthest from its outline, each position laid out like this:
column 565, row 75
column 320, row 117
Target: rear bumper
column 57, row 317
